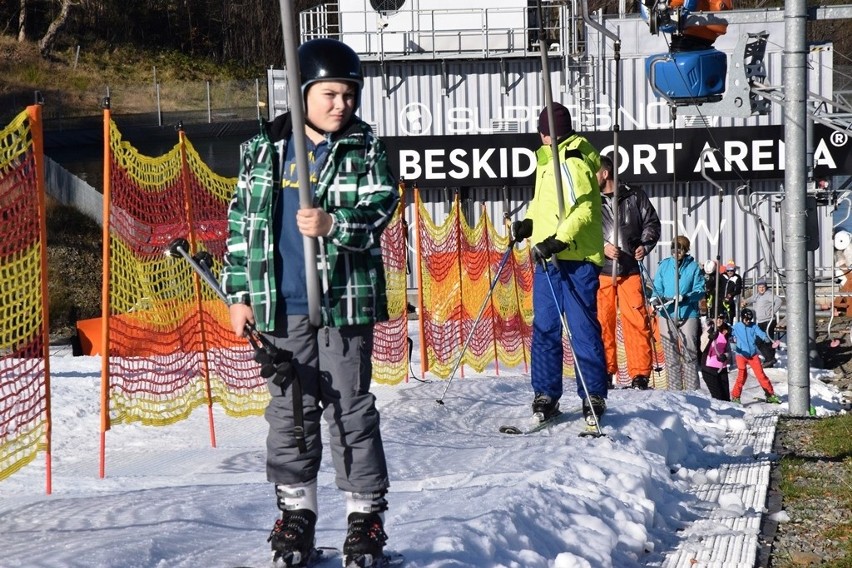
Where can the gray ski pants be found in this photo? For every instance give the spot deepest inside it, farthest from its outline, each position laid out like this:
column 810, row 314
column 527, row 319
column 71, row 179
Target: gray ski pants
column 682, row 352
column 335, row 369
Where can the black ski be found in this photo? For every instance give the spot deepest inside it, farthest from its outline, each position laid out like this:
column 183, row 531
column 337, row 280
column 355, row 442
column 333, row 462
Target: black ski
column 387, row 560
column 317, row 556
column 320, row 555
column 515, row 430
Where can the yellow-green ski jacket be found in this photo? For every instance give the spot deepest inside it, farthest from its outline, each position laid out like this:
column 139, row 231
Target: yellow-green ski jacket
column 581, row 227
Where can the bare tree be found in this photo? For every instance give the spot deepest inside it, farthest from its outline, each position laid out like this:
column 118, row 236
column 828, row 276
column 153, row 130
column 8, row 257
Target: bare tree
column 45, row 44
column 22, row 21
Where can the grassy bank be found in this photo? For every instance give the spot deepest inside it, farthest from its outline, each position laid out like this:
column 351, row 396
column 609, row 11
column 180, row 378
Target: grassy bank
column 74, row 269
column 816, row 484
column 74, row 82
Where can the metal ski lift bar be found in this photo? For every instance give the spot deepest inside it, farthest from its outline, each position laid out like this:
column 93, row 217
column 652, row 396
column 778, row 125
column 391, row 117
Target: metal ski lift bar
column 764, row 16
column 838, row 121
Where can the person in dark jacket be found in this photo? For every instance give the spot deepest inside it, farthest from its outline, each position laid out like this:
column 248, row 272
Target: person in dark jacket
column 620, row 293
column 265, row 279
column 730, row 288
column 711, row 283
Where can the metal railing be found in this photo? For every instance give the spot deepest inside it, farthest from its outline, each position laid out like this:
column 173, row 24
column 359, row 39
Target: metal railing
column 441, row 33
column 154, row 103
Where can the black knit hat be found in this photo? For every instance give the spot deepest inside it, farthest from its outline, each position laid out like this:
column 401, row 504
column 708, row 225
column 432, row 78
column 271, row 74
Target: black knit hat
column 561, row 117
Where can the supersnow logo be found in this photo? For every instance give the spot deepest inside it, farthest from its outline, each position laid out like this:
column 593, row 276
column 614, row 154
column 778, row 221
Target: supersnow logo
column 415, row 119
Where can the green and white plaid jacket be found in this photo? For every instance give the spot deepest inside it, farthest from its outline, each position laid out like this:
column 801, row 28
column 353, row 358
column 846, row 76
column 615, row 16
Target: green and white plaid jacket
column 355, row 186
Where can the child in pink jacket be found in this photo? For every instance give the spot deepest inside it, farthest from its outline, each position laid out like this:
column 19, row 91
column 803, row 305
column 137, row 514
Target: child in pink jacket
column 714, row 362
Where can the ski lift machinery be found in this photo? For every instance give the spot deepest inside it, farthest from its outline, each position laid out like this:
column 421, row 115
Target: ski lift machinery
column 693, row 73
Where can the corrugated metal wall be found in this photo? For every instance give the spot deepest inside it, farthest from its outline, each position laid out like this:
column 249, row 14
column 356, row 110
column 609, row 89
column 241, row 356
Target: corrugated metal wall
column 475, row 96
column 462, row 96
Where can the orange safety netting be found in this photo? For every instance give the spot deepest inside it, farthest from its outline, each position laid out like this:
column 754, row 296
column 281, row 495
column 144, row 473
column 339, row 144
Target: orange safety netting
column 170, row 348
column 390, row 340
column 24, row 372
column 459, row 266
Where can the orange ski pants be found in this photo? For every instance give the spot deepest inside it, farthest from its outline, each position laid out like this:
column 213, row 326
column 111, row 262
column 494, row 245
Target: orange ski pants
column 742, row 374
column 626, row 300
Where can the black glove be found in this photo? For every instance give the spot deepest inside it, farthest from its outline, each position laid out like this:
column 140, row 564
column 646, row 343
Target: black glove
column 521, row 230
column 547, row 248
column 722, row 357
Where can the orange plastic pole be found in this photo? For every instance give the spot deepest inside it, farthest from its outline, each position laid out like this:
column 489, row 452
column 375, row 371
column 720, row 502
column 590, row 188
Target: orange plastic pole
column 193, row 248
column 105, row 304
column 514, row 267
column 424, row 359
column 34, row 113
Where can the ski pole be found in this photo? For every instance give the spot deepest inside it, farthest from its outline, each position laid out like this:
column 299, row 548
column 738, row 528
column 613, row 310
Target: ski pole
column 674, row 329
column 478, row 317
column 266, row 353
column 648, row 310
column 274, row 361
column 570, row 337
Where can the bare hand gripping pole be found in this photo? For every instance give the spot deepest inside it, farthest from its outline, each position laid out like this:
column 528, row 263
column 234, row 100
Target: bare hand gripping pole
column 297, row 115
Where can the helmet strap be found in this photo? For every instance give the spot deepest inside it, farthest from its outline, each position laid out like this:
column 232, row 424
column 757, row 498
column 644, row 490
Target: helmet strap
column 313, row 126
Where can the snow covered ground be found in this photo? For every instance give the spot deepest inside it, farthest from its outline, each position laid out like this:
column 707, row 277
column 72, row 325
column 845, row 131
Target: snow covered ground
column 679, row 480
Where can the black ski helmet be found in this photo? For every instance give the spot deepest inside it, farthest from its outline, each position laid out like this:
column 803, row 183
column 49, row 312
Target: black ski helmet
column 326, row 59
column 747, row 314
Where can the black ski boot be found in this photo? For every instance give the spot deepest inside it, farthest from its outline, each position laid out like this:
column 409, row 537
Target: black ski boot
column 639, row 382
column 365, row 541
column 292, row 538
column 598, row 404
column 544, row 407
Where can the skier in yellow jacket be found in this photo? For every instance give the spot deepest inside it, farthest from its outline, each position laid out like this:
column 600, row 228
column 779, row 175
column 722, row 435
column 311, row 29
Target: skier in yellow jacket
column 568, row 251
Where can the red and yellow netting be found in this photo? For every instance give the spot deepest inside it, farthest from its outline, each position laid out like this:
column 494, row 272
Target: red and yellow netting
column 24, row 370
column 390, row 340
column 169, row 346
column 458, row 265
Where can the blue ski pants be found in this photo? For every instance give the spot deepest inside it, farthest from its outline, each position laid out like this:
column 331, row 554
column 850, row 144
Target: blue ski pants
column 575, row 284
